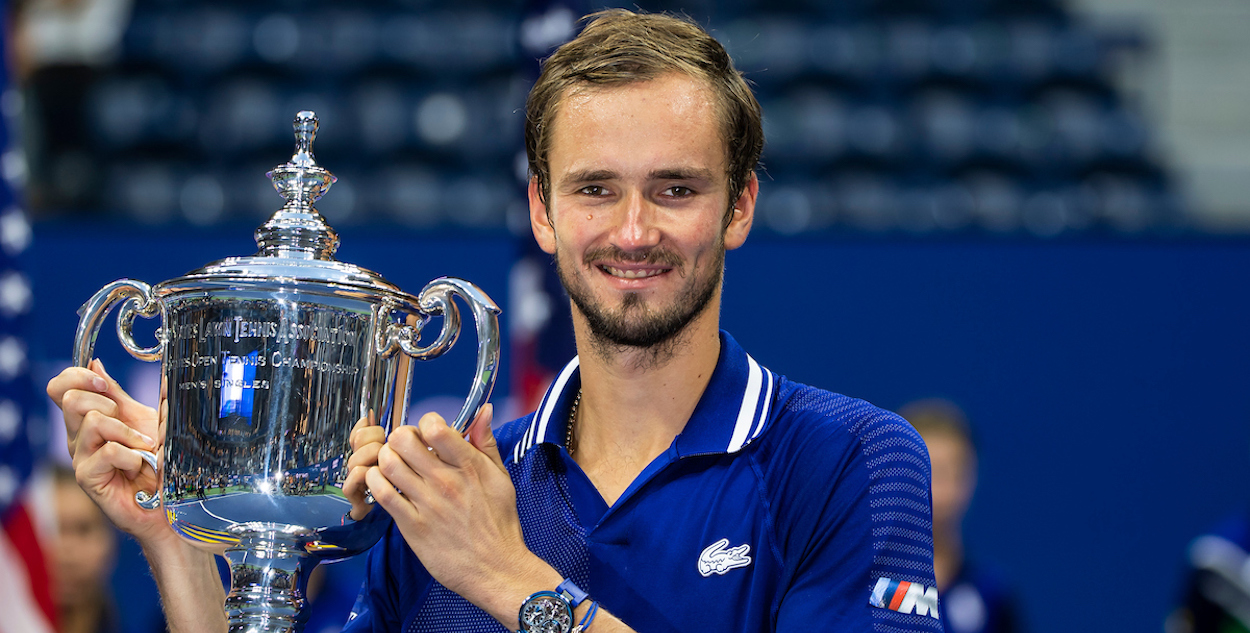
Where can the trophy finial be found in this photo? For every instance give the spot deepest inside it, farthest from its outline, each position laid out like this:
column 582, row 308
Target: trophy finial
column 297, row 227
column 301, row 181
column 305, row 134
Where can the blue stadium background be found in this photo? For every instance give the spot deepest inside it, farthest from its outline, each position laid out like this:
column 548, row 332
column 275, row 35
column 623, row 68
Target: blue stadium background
column 956, row 203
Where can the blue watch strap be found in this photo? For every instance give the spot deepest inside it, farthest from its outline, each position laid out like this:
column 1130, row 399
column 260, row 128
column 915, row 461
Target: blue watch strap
column 571, row 592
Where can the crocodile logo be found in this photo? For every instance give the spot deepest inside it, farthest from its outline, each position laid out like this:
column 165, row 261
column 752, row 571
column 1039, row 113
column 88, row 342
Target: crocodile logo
column 719, row 558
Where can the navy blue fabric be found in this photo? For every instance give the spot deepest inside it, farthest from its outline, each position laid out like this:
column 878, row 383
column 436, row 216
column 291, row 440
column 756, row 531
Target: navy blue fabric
column 816, row 495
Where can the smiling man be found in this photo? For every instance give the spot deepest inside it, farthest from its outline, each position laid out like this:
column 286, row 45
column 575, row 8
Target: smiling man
column 645, row 165
column 666, row 475
column 667, row 481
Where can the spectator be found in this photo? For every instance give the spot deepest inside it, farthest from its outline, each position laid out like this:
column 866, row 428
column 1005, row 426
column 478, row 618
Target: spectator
column 84, row 555
column 974, row 598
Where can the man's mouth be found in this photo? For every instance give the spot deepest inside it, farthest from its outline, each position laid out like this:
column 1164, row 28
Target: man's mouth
column 632, row 273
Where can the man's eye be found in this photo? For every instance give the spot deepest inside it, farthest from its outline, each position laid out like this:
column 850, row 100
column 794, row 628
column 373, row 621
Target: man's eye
column 592, row 190
column 677, row 191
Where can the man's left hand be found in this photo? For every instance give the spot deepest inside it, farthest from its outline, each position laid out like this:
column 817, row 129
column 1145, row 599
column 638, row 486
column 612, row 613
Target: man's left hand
column 454, row 503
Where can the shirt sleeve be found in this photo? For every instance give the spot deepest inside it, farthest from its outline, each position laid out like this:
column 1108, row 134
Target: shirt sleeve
column 392, row 570
column 374, row 609
column 854, row 524
column 361, row 616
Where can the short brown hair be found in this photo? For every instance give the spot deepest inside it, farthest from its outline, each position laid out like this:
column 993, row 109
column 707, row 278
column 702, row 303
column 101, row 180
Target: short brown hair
column 619, row 46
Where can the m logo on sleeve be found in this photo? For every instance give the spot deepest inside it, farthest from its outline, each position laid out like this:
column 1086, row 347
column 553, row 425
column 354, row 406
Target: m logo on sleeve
column 905, row 597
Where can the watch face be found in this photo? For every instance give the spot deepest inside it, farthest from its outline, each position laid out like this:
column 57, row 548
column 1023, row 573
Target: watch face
column 546, row 614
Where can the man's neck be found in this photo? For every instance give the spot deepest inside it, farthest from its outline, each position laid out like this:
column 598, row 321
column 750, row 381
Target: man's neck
column 635, row 401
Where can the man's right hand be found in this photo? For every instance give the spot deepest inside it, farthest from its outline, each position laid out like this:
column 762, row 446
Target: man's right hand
column 104, row 426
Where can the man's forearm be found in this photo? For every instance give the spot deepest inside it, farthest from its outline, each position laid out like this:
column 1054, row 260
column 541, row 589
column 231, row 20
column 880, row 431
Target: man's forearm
column 191, row 590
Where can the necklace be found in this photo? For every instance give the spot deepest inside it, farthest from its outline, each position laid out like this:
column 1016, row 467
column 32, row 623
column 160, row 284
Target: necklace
column 568, row 432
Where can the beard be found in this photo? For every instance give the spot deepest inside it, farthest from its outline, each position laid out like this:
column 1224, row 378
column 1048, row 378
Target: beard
column 636, row 323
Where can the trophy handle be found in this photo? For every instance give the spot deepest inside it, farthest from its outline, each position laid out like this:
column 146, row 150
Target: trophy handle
column 139, row 300
column 436, row 298
column 145, row 500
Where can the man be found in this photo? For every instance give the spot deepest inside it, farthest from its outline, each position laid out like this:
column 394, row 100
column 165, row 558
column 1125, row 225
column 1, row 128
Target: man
column 667, row 475
column 976, row 598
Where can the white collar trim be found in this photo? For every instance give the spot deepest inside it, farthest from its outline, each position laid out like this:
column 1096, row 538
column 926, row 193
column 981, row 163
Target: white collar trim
column 542, row 417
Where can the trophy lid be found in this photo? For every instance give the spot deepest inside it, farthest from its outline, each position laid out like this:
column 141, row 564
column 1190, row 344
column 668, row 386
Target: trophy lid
column 296, row 245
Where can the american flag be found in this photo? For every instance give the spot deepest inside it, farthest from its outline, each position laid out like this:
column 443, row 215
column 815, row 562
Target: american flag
column 25, row 590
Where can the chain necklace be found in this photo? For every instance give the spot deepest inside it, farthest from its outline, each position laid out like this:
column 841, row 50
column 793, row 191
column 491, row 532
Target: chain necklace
column 568, row 433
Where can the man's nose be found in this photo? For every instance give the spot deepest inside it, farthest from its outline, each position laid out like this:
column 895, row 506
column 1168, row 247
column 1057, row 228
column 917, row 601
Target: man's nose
column 637, row 226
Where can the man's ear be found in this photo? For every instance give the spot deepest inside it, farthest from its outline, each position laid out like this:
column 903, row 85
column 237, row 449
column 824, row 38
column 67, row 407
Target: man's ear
column 540, row 219
column 743, row 214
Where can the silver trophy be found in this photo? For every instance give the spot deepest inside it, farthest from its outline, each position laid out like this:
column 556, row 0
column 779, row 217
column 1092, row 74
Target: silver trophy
column 269, row 361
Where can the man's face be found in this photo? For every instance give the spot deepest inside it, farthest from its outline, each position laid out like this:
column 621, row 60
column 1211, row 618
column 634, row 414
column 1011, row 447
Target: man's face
column 636, row 213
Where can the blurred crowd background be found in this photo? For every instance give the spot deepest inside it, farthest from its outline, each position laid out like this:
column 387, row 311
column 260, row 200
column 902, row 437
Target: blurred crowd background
column 929, row 116
column 1033, row 213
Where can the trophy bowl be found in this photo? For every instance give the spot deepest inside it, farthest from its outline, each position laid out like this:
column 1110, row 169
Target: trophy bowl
column 268, row 363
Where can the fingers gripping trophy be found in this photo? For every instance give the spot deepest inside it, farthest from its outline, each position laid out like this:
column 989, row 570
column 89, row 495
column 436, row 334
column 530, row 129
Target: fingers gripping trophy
column 268, row 363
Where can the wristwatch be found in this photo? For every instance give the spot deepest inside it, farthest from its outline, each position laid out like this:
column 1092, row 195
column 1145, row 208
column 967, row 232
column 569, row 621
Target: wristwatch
column 551, row 611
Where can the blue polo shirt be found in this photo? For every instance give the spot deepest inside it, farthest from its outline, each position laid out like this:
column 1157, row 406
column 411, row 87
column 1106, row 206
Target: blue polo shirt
column 780, row 507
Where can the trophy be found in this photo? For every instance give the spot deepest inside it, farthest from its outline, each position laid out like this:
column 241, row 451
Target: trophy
column 268, row 362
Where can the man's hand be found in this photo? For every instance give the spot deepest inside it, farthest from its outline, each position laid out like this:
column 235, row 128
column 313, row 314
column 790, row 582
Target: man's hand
column 454, row 503
column 366, row 440
column 103, row 427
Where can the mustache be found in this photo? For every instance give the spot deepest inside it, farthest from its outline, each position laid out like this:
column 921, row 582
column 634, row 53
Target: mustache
column 655, row 255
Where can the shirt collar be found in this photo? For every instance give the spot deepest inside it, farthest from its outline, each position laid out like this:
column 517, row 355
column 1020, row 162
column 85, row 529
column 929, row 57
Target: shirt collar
column 551, row 418
column 733, row 411
column 735, row 407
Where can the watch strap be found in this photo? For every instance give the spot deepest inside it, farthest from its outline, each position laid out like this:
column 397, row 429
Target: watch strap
column 571, row 592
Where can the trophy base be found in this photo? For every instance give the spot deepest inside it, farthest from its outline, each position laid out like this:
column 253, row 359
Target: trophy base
column 269, row 572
